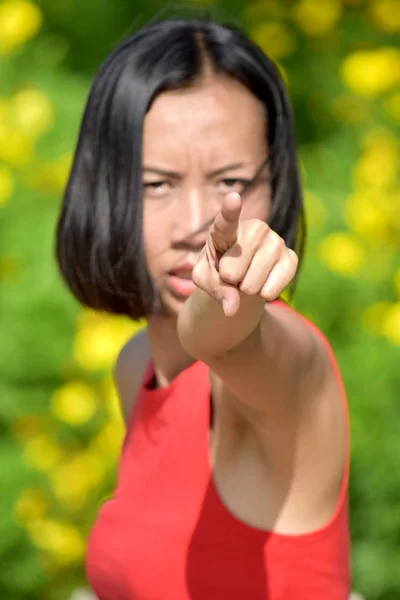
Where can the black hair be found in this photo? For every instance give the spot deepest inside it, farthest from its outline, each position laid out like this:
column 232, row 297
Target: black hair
column 99, row 242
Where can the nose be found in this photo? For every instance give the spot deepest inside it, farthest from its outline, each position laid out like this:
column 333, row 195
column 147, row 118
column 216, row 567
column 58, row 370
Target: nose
column 192, row 218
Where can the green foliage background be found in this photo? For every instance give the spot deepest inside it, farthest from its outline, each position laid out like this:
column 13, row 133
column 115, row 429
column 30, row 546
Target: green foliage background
column 61, row 430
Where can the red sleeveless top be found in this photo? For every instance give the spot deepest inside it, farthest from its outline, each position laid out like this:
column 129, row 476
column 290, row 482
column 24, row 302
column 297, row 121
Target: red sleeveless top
column 166, row 535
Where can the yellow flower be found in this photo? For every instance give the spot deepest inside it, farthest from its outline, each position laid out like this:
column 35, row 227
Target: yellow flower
column 371, row 72
column 108, row 442
column 275, row 39
column 386, row 15
column 391, row 324
column 392, row 106
column 7, row 184
column 30, row 506
column 16, row 148
column 42, row 453
column 315, row 209
column 317, row 18
column 74, row 403
column 50, row 177
column 32, row 111
column 73, row 479
column 366, row 216
column 20, row 20
column 374, row 317
column 62, row 541
column 112, row 399
column 342, row 254
column 381, row 138
column 396, row 283
column 100, row 338
column 379, row 163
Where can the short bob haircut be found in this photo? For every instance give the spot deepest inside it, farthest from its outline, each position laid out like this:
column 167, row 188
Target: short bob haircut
column 99, row 242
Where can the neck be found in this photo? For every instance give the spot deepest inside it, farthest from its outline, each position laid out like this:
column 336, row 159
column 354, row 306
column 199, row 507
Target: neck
column 169, row 357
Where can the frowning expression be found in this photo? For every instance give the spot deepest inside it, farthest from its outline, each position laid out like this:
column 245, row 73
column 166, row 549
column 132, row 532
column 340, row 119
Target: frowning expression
column 199, row 143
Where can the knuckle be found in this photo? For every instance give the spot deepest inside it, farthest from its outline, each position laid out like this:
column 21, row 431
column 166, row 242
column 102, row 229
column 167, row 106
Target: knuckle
column 293, row 257
column 197, row 274
column 257, row 228
column 248, row 289
column 270, row 296
column 275, row 241
column 227, row 272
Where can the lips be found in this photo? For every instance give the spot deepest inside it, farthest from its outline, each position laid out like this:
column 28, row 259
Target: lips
column 180, row 282
column 182, row 274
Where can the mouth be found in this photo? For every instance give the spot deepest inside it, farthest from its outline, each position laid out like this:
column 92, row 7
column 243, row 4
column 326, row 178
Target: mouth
column 180, row 281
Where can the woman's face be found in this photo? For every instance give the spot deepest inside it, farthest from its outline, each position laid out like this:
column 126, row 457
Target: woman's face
column 199, row 144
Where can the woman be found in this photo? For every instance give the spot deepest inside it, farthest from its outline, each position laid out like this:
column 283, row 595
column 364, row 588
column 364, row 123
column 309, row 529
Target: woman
column 184, row 207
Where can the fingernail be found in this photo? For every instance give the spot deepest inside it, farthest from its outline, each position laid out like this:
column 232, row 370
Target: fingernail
column 224, row 304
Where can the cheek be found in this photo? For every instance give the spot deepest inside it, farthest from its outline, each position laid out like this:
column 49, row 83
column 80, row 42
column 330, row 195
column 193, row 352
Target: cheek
column 156, row 241
column 256, row 207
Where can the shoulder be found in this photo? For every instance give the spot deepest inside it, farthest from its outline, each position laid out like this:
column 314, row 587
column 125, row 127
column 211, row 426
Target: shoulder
column 130, row 369
column 314, row 351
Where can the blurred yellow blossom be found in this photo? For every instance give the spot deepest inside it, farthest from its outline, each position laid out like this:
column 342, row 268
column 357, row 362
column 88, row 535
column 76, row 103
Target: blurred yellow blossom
column 50, row 177
column 275, row 39
column 112, row 399
column 317, row 18
column 379, row 163
column 62, row 541
column 73, row 479
column 385, row 14
column 380, row 137
column 365, row 214
column 342, row 253
column 396, row 282
column 315, row 209
column 392, row 106
column 31, row 111
column 108, row 442
column 100, row 337
column 371, row 72
column 374, row 316
column 42, row 453
column 74, row 403
column 30, row 506
column 16, row 148
column 7, row 184
column 391, row 324
column 20, row 20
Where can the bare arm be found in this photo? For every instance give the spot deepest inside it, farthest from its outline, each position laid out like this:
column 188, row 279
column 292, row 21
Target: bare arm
column 260, row 350
column 267, row 360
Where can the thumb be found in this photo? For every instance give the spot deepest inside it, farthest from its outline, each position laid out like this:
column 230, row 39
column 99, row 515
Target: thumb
column 225, row 228
column 230, row 299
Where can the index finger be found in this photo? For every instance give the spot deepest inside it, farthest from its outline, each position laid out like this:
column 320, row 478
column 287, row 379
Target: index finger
column 224, row 230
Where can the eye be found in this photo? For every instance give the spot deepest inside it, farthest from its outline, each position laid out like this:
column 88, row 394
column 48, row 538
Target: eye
column 233, row 184
column 155, row 188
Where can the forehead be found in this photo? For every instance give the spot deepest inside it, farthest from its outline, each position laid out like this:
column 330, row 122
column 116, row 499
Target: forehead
column 219, row 114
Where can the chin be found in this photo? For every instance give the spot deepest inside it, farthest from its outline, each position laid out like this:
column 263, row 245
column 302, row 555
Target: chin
column 171, row 305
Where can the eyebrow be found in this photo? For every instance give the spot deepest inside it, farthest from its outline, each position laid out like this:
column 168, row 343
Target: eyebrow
column 175, row 175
